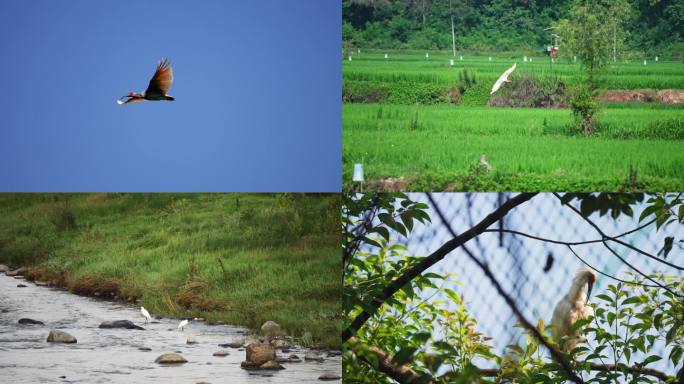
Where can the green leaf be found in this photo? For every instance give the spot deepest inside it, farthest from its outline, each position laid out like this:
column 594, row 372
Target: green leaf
column 676, row 354
column 651, row 359
column 382, row 231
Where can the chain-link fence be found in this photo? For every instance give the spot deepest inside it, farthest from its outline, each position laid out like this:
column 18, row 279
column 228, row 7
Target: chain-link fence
column 535, row 273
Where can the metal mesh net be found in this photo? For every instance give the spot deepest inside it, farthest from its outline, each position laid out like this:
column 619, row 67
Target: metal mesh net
column 535, row 273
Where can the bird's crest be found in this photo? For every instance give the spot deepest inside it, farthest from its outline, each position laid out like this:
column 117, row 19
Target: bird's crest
column 130, row 94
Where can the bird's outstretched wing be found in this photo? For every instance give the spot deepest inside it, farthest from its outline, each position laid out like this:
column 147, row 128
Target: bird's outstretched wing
column 502, row 78
column 162, row 80
column 130, row 99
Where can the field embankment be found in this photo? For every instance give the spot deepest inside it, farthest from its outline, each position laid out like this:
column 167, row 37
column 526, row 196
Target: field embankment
column 235, row 258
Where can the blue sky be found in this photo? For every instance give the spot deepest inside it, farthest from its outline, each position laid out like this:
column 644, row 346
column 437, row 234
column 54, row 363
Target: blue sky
column 257, row 87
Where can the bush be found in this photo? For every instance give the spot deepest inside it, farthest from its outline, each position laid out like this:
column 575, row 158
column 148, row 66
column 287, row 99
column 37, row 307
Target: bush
column 583, row 102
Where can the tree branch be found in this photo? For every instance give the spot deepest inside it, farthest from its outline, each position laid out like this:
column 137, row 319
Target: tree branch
column 555, row 354
column 405, row 374
column 389, row 367
column 429, row 261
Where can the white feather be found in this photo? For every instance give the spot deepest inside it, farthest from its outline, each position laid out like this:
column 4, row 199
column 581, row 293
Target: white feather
column 119, row 102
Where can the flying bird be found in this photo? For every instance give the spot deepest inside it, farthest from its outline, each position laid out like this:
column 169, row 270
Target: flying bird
column 503, row 79
column 157, row 89
column 571, row 308
column 182, row 324
column 145, row 314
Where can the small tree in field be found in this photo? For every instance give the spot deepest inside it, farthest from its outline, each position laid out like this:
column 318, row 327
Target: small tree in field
column 591, row 32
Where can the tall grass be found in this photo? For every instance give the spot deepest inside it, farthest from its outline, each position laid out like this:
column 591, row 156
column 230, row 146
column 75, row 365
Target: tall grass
column 236, row 258
column 529, row 149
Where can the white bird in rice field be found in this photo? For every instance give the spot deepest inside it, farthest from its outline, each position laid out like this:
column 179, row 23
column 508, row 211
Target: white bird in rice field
column 503, row 79
column 571, row 308
column 145, row 314
column 182, row 324
column 484, row 163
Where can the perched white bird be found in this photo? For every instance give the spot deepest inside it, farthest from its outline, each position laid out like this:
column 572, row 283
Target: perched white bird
column 503, row 79
column 145, row 314
column 484, row 163
column 182, row 325
column 571, row 308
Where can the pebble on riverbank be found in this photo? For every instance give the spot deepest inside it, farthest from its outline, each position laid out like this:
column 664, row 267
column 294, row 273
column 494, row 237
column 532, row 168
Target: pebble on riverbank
column 30, row 321
column 60, row 337
column 329, row 376
column 170, row 358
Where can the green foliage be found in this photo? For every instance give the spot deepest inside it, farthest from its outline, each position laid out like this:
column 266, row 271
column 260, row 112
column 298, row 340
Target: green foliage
column 417, row 333
column 629, row 320
column 236, row 258
column 529, row 149
column 654, row 27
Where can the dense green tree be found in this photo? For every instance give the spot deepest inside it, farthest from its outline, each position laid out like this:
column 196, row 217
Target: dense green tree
column 655, row 27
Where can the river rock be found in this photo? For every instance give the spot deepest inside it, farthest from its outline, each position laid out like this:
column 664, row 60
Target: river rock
column 221, row 354
column 313, row 356
column 334, row 353
column 126, row 324
column 280, row 344
column 191, row 341
column 4, row 268
column 258, row 353
column 16, row 272
column 290, row 359
column 21, row 285
column 270, row 329
column 30, row 321
column 233, row 344
column 272, row 364
column 329, row 376
column 170, row 358
column 145, row 349
column 56, row 336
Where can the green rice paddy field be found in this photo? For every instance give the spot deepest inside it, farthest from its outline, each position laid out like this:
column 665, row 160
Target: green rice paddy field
column 638, row 146
column 414, row 67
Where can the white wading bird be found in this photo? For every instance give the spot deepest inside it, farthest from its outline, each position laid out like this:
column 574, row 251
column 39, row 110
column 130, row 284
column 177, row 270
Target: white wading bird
column 182, row 324
column 145, row 314
column 571, row 308
column 157, row 89
column 484, row 164
column 503, row 79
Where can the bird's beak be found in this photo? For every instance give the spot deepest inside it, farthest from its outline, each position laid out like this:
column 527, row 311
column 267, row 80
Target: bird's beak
column 590, row 285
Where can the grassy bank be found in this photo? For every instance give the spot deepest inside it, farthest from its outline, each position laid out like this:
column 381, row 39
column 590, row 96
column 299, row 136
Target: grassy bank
column 237, row 258
column 438, row 147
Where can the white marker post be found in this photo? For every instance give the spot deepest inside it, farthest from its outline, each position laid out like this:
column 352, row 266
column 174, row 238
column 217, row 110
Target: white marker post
column 656, row 59
column 461, row 58
column 490, row 58
column 525, row 59
column 451, row 62
column 358, row 175
column 386, row 56
column 574, row 59
column 349, row 57
column 644, row 62
column 427, row 56
column 358, row 51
